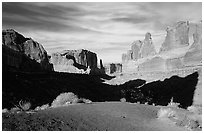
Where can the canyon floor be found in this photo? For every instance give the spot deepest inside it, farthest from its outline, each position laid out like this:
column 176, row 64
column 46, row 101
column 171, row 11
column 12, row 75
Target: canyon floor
column 103, row 116
column 99, row 116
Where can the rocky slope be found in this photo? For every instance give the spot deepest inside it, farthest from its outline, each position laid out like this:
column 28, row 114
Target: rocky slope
column 22, row 53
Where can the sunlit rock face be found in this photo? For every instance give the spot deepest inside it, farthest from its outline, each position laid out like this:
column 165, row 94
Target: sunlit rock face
column 23, row 53
column 136, row 45
column 154, row 64
column 177, row 36
column 140, row 49
column 182, row 47
column 75, row 61
column 147, row 48
column 194, row 54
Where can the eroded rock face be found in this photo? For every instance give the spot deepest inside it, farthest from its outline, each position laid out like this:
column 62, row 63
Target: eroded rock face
column 147, row 48
column 23, row 53
column 194, row 55
column 174, row 63
column 124, row 57
column 80, row 59
column 129, row 55
column 140, row 49
column 113, row 68
column 154, row 64
column 13, row 39
column 177, row 36
column 136, row 49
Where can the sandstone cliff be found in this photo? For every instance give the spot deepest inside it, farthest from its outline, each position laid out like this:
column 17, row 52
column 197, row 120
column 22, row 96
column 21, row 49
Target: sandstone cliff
column 147, row 48
column 140, row 49
column 177, row 36
column 75, row 61
column 23, row 53
column 194, row 54
column 182, row 47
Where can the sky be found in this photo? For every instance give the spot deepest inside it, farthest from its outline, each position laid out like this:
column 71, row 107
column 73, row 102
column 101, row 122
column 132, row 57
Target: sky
column 107, row 29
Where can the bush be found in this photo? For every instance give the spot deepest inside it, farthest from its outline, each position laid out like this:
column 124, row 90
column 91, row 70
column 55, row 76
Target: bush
column 122, row 100
column 24, row 105
column 166, row 113
column 5, row 110
column 64, row 99
column 43, row 107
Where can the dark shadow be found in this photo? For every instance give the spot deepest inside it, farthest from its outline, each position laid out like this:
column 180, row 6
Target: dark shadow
column 43, row 87
column 161, row 92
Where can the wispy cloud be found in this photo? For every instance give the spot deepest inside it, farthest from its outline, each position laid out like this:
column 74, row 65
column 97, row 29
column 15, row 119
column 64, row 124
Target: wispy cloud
column 105, row 28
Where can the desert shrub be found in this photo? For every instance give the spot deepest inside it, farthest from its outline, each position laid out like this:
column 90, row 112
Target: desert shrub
column 173, row 104
column 65, row 98
column 122, row 100
column 165, row 113
column 5, row 110
column 43, row 107
column 24, row 105
column 86, row 100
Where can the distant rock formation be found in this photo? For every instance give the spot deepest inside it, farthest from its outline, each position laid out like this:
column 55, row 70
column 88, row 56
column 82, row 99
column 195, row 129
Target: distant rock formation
column 140, row 49
column 175, row 53
column 136, row 45
column 177, row 36
column 154, row 64
column 147, row 48
column 194, row 55
column 75, row 61
column 113, row 68
column 22, row 53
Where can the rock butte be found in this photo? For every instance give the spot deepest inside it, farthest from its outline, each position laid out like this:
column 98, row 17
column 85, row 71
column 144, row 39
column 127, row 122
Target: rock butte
column 25, row 54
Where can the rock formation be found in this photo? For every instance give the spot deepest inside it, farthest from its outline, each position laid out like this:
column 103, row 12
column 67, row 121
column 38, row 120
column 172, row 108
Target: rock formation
column 175, row 53
column 124, row 57
column 147, row 48
column 154, row 64
column 113, row 68
column 80, row 60
column 140, row 49
column 23, row 53
column 129, row 55
column 177, row 36
column 136, row 49
column 194, row 55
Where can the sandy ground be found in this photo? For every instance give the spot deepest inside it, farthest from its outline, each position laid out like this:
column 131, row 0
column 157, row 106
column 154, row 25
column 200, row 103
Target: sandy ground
column 106, row 116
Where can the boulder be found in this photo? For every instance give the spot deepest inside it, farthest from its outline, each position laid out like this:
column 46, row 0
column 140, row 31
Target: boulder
column 23, row 54
column 177, row 36
column 78, row 59
column 147, row 48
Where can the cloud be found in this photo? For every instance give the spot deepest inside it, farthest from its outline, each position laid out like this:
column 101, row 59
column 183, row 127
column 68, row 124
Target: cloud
column 106, row 28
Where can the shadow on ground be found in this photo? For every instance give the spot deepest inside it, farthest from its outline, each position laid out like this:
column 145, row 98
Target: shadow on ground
column 43, row 88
